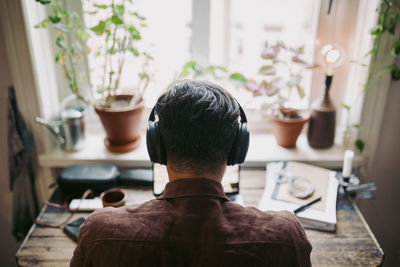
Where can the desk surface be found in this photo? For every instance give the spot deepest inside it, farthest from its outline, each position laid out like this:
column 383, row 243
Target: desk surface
column 353, row 244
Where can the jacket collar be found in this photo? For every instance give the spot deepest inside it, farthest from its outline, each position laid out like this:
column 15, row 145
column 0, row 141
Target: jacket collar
column 190, row 187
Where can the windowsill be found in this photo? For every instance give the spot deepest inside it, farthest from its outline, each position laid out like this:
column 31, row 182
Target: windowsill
column 263, row 148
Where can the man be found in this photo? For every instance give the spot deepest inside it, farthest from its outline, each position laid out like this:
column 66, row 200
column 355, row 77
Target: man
column 193, row 223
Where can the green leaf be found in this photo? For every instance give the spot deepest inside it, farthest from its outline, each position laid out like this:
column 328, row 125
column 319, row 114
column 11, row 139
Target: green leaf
column 384, row 70
column 57, row 57
column 131, row 29
column 395, row 73
column 367, row 86
column 116, row 20
column 112, row 51
column 392, row 23
column 44, row 2
column 134, row 32
column 188, row 68
column 43, row 24
column 382, row 19
column 396, row 49
column 72, row 83
column 99, row 28
column 371, row 52
column 143, row 75
column 347, row 107
column 82, row 35
column 120, row 9
column 134, row 51
column 136, row 36
column 220, row 68
column 357, row 126
column 61, row 43
column 267, row 70
column 211, row 70
column 377, row 31
column 100, row 6
column 55, row 18
column 360, row 145
column 137, row 15
column 237, row 77
column 190, row 64
column 149, row 57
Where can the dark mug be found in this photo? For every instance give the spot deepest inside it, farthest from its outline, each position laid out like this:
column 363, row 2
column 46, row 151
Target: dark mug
column 113, row 197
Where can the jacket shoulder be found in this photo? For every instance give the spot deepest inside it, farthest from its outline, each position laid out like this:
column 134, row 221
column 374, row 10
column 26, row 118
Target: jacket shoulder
column 268, row 226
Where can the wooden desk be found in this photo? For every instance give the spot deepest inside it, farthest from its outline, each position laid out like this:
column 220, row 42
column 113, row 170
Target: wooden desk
column 353, row 244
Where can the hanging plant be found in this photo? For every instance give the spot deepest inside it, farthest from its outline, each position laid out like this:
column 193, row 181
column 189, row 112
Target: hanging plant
column 389, row 16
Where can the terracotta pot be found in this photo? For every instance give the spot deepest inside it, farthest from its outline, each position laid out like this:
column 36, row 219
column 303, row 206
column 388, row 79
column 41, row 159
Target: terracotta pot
column 122, row 126
column 113, row 197
column 286, row 131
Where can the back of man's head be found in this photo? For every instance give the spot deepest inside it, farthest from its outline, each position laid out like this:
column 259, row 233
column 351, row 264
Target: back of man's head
column 198, row 123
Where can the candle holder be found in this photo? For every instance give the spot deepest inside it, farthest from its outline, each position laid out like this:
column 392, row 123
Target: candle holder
column 345, row 182
column 350, row 186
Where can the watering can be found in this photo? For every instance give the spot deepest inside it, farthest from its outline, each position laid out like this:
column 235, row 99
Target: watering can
column 69, row 127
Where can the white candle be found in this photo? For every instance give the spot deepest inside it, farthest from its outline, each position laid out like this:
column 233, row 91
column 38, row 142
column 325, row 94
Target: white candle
column 348, row 160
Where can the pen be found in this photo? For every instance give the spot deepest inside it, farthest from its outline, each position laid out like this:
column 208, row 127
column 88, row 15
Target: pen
column 305, row 206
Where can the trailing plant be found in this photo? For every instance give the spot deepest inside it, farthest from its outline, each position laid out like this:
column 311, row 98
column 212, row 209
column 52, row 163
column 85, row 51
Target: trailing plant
column 389, row 16
column 283, row 72
column 118, row 27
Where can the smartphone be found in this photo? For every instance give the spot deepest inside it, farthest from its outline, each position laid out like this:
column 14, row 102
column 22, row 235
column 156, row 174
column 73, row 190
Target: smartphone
column 230, row 181
column 72, row 228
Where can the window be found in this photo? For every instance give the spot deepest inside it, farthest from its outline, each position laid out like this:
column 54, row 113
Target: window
column 241, row 29
column 166, row 39
column 233, row 33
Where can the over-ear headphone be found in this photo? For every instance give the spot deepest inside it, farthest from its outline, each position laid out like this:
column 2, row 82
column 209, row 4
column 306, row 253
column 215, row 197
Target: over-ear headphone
column 157, row 151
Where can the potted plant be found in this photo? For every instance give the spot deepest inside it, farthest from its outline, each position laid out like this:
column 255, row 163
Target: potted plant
column 283, row 73
column 118, row 30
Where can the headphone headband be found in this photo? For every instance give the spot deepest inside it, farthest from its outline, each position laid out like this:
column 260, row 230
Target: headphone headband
column 243, row 118
column 152, row 116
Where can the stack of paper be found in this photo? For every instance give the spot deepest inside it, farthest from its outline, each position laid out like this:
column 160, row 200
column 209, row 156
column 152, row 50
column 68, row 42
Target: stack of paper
column 277, row 196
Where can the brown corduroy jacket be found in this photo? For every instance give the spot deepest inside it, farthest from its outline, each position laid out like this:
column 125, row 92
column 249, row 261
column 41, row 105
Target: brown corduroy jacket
column 191, row 224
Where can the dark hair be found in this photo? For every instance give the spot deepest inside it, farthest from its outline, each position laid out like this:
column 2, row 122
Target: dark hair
column 198, row 123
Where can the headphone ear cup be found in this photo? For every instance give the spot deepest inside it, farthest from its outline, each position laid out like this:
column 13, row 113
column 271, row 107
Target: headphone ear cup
column 155, row 146
column 240, row 145
column 151, row 143
column 243, row 144
column 163, row 151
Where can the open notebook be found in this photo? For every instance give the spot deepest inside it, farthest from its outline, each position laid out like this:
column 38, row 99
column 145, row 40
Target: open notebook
column 277, row 196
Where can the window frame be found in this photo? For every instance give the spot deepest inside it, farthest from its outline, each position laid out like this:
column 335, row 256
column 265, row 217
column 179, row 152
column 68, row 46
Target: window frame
column 49, row 75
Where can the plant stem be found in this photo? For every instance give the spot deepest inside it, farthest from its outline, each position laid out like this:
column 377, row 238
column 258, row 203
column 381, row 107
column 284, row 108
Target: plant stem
column 120, row 67
column 110, row 88
column 105, row 63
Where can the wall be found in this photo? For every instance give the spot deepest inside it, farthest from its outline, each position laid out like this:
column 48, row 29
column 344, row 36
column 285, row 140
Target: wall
column 382, row 213
column 8, row 245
